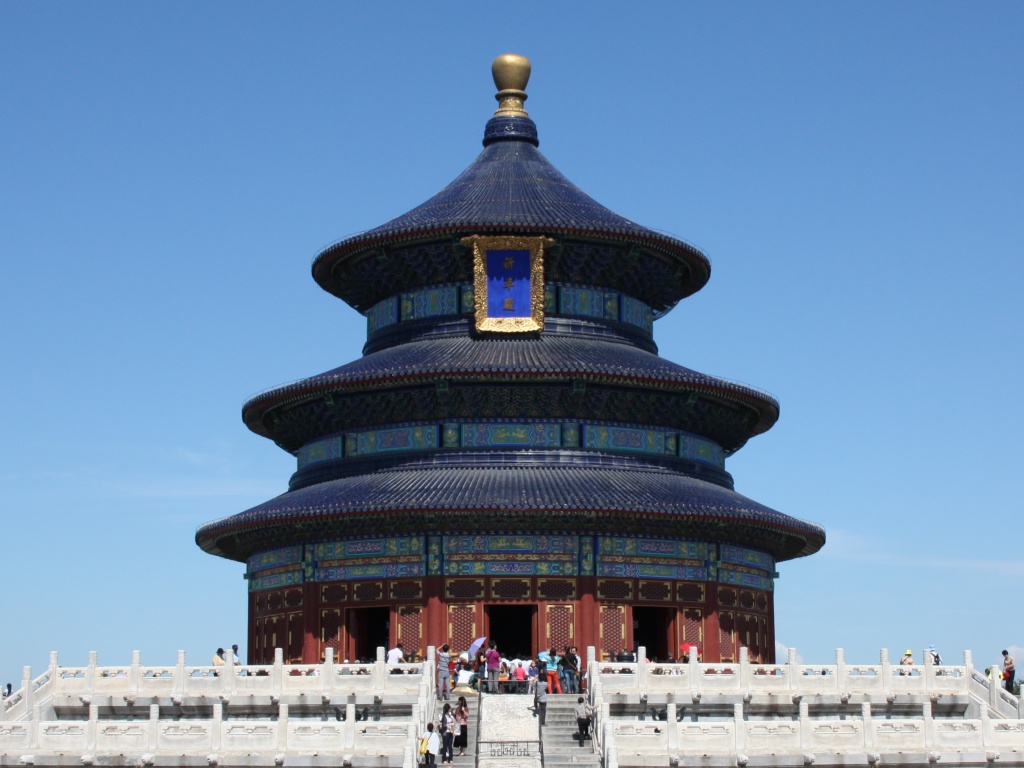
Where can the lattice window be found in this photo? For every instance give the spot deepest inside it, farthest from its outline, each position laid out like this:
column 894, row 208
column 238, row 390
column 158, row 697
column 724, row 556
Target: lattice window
column 409, row 623
column 746, row 599
column 559, row 626
column 461, row 626
column 274, row 601
column 688, row 592
column 726, row 596
column 614, row 590
column 273, row 636
column 261, row 603
column 762, row 603
column 406, row 590
column 293, row 598
column 613, row 629
column 726, row 643
column 556, row 589
column 296, row 635
column 693, row 626
column 464, row 589
column 334, row 593
column 330, row 630
column 660, row 591
column 368, row 590
column 510, row 589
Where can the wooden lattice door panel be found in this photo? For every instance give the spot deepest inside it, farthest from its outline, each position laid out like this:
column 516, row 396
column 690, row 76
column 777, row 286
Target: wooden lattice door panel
column 330, row 632
column 692, row 627
column 462, row 629
column 726, row 636
column 559, row 626
column 613, row 629
column 410, row 622
column 296, row 634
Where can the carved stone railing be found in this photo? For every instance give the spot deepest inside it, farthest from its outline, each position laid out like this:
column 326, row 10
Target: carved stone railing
column 991, row 725
column 181, row 708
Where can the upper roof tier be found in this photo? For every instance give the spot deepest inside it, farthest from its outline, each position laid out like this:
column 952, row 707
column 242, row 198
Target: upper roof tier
column 511, row 188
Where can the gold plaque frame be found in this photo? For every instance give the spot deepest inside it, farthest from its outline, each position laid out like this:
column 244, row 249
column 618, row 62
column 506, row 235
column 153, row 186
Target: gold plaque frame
column 481, row 245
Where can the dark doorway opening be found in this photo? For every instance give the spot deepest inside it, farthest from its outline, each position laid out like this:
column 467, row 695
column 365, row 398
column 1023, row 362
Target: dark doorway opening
column 652, row 628
column 368, row 630
column 512, row 628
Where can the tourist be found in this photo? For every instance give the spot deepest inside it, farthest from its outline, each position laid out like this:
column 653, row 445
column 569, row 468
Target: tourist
column 519, row 673
column 936, row 659
column 8, row 691
column 1008, row 671
column 433, row 745
column 447, row 729
column 531, row 675
column 493, row 659
column 571, row 668
column 552, row 672
column 218, row 660
column 906, row 661
column 540, row 699
column 444, row 673
column 584, row 714
column 462, row 718
column 396, row 656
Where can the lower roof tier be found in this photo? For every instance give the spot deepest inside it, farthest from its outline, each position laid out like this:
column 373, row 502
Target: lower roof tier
column 651, row 501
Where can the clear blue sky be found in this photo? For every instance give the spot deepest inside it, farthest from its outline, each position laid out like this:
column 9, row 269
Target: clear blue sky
column 167, row 171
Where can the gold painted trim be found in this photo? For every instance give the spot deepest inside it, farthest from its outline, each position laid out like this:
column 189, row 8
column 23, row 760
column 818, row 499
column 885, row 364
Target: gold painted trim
column 481, row 245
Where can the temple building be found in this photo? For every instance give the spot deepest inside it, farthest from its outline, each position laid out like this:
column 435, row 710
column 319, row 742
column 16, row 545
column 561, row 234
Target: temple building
column 510, row 457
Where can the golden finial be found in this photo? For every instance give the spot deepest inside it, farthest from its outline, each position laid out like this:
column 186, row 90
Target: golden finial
column 511, row 74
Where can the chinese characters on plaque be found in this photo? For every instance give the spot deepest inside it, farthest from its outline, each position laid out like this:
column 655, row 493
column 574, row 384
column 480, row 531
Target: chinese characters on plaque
column 508, row 283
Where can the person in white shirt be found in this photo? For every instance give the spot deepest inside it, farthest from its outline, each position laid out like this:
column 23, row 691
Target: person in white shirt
column 396, row 655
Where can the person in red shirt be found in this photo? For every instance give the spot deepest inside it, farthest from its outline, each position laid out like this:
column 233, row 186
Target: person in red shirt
column 493, row 667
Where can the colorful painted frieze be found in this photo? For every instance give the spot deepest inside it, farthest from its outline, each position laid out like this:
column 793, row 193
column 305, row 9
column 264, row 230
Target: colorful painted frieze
column 354, row 548
column 629, row 439
column 730, row 553
column 275, row 580
column 662, row 548
column 382, row 314
column 511, row 435
column 322, row 450
column 653, row 571
column 376, row 571
column 513, row 543
column 514, row 568
column 745, row 579
column 437, row 301
column 637, row 313
column 275, row 558
column 417, row 438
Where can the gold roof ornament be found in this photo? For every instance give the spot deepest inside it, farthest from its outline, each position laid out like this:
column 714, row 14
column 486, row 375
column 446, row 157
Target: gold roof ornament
column 511, row 73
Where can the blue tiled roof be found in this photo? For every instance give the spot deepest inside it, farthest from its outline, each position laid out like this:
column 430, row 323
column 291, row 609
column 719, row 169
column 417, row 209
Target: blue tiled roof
column 511, row 187
column 455, row 356
column 552, row 491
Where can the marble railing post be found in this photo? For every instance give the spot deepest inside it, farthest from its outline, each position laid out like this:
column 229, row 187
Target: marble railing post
column 134, row 673
column 589, row 673
column 883, row 658
column 411, row 753
column 744, row 668
column 350, row 724
column 330, row 679
column 380, row 674
column 92, row 727
column 868, row 724
column 153, row 734
column 217, row 725
column 180, row 681
column 282, row 726
column 693, row 669
column 277, row 674
column 90, row 672
column 929, row 725
column 842, row 673
column 26, row 687
column 739, row 727
column 994, row 684
column 228, row 674
column 641, row 669
column 805, row 724
column 929, row 671
column 986, row 727
column 55, row 685
column 611, row 754
column 671, row 726
column 793, row 671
